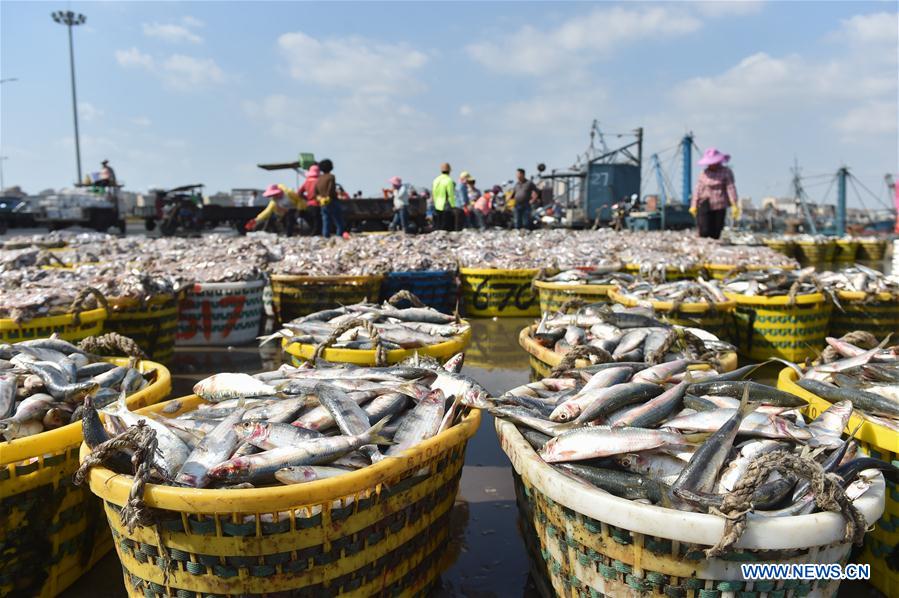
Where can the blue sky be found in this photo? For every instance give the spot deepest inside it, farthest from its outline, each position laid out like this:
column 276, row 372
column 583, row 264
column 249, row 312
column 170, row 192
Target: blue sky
column 179, row 92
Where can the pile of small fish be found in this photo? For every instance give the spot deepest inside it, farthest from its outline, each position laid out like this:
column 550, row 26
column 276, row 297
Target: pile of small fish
column 868, row 379
column 406, row 328
column 813, row 239
column 606, row 275
column 680, row 291
column 619, row 334
column 296, row 425
column 775, row 281
column 750, row 255
column 657, row 435
column 859, row 278
column 43, row 382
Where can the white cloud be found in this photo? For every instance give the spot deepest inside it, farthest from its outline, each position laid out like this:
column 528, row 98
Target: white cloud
column 878, row 28
column 582, row 39
column 465, row 110
column 352, row 63
column 133, row 57
column 171, row 33
column 876, row 117
column 728, row 8
column 141, row 121
column 192, row 21
column 88, row 111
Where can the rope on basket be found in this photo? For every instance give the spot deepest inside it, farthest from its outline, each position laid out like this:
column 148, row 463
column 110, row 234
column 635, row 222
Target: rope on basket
column 112, row 343
column 859, row 338
column 78, row 303
column 380, row 351
column 580, row 352
column 829, row 496
column 574, row 302
column 408, row 296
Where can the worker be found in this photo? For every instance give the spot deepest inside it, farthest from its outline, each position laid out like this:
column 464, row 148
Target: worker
column 444, row 191
column 524, row 192
column 283, row 203
column 400, row 194
column 472, row 194
column 326, row 193
column 313, row 212
column 481, row 209
column 462, row 199
column 715, row 189
column 107, row 175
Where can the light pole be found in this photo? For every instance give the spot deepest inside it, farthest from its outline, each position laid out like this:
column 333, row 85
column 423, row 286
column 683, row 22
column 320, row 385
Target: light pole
column 70, row 19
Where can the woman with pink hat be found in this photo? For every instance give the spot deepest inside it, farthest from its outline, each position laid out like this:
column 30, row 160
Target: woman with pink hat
column 283, row 203
column 312, row 214
column 400, row 205
column 715, row 189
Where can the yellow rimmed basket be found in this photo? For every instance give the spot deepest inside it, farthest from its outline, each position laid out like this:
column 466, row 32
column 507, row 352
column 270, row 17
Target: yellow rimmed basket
column 872, row 250
column 382, row 530
column 152, row 323
column 881, row 544
column 876, row 313
column 586, row 542
column 295, row 296
column 846, row 251
column 73, row 326
column 554, row 295
column 766, row 327
column 784, row 246
column 51, row 532
column 543, row 360
column 716, row 318
column 300, row 353
column 493, row 292
column 816, row 252
column 671, row 272
column 722, row 271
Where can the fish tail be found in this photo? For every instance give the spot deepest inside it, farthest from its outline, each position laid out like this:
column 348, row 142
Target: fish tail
column 745, row 406
column 696, row 437
column 374, row 433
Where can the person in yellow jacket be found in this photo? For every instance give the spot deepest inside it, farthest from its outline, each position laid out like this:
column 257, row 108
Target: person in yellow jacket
column 283, row 203
column 443, row 191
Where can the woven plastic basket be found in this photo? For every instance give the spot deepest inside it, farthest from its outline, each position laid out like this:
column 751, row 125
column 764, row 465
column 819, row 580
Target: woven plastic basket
column 877, row 314
column 542, row 360
column 296, row 296
column 585, row 542
column 152, row 323
column 722, row 271
column 766, row 327
column 715, row 318
column 436, row 288
column 553, row 295
column 846, row 251
column 381, row 530
column 881, row 544
column 872, row 250
column 489, row 292
column 67, row 326
column 220, row 313
column 809, row 251
column 784, row 246
column 51, row 532
column 441, row 351
column 671, row 272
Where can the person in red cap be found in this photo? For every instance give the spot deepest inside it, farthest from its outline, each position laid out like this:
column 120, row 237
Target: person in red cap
column 283, row 203
column 715, row 189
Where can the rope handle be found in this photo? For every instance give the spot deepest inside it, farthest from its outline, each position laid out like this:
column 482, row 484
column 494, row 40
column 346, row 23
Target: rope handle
column 407, row 295
column 78, row 303
column 575, row 302
column 44, row 258
column 112, row 343
column 380, row 351
column 540, row 276
column 580, row 352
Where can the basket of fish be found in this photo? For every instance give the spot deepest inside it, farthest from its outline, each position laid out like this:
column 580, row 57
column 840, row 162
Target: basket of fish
column 220, row 313
column 296, row 296
column 434, row 288
column 725, row 261
column 871, row 248
column 779, row 313
column 782, row 244
column 34, row 309
column 628, row 486
column 572, row 288
column 610, row 334
column 861, row 384
column 372, row 334
column 694, row 303
column 815, row 248
column 847, row 249
column 295, row 481
column 51, row 531
column 151, row 322
column 660, row 272
column 493, row 292
column 865, row 300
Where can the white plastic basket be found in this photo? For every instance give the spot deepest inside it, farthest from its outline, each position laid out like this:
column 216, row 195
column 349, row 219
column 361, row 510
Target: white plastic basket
column 220, row 313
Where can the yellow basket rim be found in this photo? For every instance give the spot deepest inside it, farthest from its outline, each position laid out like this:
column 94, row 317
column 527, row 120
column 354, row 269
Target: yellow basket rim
column 19, row 449
column 115, row 487
column 367, row 356
column 335, row 278
column 586, row 289
column 687, row 308
column 87, row 317
column 503, row 271
column 847, row 242
column 727, row 267
column 816, row 243
column 870, row 432
column 860, row 296
column 779, row 300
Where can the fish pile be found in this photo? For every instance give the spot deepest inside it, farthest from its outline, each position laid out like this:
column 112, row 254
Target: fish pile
column 807, row 239
column 859, row 278
column 606, row 275
column 406, row 328
column 775, row 281
column 296, row 425
column 740, row 237
column 868, row 379
column 656, row 435
column 619, row 334
column 43, row 382
column 680, row 291
column 751, row 255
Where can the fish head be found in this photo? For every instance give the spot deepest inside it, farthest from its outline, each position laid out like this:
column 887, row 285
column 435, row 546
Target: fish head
column 475, row 398
column 247, row 430
column 565, row 412
column 229, row 469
